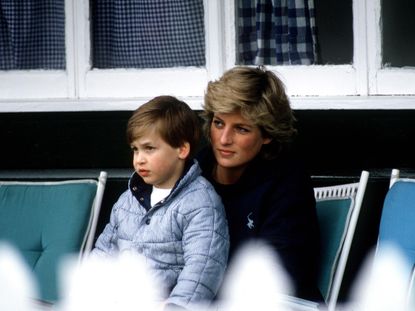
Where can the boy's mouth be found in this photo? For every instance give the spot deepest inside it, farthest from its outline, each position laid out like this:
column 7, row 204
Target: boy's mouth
column 144, row 173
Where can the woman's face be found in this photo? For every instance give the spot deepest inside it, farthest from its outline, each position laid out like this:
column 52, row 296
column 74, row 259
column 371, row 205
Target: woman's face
column 235, row 140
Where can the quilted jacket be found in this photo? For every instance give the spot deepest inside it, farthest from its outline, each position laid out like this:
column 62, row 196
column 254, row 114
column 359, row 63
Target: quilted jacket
column 184, row 237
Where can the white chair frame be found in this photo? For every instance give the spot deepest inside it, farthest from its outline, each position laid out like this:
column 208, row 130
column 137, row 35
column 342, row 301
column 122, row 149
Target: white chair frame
column 352, row 190
column 96, row 208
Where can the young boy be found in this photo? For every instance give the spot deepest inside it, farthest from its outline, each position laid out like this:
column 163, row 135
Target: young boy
column 170, row 213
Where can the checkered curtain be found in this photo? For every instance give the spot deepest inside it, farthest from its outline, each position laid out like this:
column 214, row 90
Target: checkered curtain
column 276, row 32
column 147, row 33
column 32, row 34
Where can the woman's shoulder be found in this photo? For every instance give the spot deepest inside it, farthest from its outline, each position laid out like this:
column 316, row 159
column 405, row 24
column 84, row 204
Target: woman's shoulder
column 197, row 189
column 285, row 164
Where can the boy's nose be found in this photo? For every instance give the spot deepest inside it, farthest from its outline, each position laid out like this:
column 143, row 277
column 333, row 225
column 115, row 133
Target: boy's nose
column 139, row 158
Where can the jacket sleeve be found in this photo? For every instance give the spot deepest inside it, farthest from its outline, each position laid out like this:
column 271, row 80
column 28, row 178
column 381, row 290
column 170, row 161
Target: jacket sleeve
column 206, row 247
column 105, row 244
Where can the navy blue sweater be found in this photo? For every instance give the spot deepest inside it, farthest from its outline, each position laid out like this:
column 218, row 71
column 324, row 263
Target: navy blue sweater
column 274, row 201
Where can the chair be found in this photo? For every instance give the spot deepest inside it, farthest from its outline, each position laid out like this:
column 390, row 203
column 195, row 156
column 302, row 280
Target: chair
column 46, row 221
column 338, row 209
column 397, row 223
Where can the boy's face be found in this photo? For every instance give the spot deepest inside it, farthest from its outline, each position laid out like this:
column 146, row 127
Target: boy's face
column 157, row 162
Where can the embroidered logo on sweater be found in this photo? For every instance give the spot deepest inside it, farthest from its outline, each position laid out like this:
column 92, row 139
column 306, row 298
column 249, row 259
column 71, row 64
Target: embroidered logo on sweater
column 250, row 223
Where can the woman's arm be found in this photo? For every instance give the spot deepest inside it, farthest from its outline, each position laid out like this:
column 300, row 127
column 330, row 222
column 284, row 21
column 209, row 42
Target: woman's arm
column 289, row 224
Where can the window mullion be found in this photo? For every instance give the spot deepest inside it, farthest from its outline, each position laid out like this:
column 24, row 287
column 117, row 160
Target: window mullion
column 230, row 34
column 360, row 48
column 215, row 38
column 70, row 49
column 374, row 44
column 81, row 47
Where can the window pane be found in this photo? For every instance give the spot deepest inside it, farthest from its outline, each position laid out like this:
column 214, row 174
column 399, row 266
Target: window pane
column 398, row 36
column 147, row 33
column 334, row 21
column 330, row 24
column 275, row 32
column 32, row 34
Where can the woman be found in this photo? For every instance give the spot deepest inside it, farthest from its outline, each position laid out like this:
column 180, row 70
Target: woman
column 265, row 189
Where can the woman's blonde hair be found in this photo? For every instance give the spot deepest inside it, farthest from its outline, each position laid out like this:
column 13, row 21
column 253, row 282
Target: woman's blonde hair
column 259, row 95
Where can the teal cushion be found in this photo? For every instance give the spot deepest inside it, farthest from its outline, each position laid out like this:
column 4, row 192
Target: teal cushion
column 397, row 223
column 45, row 222
column 333, row 216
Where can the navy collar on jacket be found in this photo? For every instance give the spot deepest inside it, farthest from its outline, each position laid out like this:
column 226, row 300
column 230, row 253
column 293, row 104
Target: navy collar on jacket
column 142, row 191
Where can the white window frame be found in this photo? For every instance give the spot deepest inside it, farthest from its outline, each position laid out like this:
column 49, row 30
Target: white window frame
column 354, row 86
column 390, row 80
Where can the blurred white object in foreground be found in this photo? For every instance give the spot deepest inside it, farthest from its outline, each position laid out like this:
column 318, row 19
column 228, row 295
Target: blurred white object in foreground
column 383, row 283
column 17, row 284
column 116, row 283
column 255, row 281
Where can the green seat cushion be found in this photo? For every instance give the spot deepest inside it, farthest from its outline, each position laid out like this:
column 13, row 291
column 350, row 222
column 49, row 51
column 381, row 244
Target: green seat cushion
column 45, row 221
column 333, row 216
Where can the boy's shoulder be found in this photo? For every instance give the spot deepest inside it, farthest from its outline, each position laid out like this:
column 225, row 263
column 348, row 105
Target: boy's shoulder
column 200, row 187
column 199, row 181
column 198, row 194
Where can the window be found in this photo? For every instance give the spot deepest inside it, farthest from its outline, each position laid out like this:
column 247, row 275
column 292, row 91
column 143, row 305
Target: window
column 147, row 34
column 93, row 55
column 275, row 32
column 363, row 48
column 32, row 35
column 334, row 23
column 398, row 40
column 108, row 61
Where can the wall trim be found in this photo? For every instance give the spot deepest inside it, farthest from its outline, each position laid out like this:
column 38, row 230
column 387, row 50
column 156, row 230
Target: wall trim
column 129, row 104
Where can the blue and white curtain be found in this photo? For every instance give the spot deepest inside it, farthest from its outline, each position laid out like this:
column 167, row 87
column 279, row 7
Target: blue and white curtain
column 32, row 34
column 147, row 33
column 125, row 34
column 276, row 32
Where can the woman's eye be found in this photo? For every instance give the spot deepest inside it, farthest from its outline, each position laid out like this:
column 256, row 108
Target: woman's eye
column 149, row 148
column 217, row 123
column 242, row 129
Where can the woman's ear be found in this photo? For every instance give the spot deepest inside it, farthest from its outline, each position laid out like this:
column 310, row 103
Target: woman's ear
column 184, row 151
column 266, row 141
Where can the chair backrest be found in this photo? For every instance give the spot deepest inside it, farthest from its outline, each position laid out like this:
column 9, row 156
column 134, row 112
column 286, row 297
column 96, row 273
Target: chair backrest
column 338, row 209
column 46, row 221
column 397, row 223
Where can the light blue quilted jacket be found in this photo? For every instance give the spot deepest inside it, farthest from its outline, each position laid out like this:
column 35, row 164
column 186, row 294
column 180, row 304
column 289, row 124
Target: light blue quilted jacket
column 184, row 237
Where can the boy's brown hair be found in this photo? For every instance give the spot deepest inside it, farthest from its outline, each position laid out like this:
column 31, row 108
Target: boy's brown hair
column 173, row 119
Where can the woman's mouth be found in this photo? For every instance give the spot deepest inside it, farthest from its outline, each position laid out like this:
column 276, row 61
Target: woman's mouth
column 225, row 153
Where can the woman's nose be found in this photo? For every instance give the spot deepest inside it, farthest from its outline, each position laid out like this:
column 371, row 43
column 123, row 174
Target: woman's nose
column 226, row 137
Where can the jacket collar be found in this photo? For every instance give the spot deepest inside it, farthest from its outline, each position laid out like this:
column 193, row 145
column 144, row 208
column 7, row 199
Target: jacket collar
column 142, row 191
